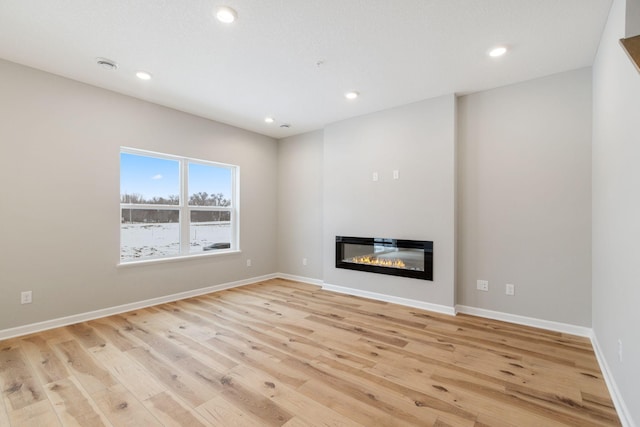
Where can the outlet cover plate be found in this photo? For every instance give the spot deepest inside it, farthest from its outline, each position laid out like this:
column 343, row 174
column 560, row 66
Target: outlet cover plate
column 26, row 297
column 482, row 285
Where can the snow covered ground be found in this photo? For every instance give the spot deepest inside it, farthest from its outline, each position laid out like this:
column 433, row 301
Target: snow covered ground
column 139, row 241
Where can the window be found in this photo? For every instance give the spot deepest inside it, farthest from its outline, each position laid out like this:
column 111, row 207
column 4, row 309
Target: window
column 175, row 206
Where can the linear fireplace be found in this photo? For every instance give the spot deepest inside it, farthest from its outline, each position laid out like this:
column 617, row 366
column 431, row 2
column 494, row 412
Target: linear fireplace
column 407, row 258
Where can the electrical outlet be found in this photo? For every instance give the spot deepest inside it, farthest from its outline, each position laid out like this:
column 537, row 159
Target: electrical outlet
column 374, row 176
column 482, row 285
column 510, row 289
column 304, row 261
column 248, row 263
column 26, row 297
column 620, row 350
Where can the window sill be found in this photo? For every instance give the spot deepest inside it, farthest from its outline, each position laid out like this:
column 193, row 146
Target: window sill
column 179, row 258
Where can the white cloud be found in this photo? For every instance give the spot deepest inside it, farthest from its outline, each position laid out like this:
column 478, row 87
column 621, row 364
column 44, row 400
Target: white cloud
column 158, row 176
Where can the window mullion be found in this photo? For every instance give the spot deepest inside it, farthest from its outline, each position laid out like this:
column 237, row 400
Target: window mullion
column 148, row 207
column 185, row 216
column 234, row 214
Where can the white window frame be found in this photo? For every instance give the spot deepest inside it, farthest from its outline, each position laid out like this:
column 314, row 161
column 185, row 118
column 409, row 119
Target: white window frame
column 185, row 209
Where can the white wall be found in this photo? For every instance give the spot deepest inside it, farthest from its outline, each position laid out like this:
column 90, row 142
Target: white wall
column 300, row 205
column 418, row 141
column 524, row 198
column 60, row 192
column 616, row 209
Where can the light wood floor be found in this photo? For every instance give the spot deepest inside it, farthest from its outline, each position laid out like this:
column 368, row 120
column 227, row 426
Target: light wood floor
column 282, row 353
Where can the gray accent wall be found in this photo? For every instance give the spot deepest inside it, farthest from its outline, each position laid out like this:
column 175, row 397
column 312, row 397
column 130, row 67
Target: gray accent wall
column 60, row 216
column 522, row 212
column 300, row 205
column 417, row 140
column 616, row 210
column 524, row 206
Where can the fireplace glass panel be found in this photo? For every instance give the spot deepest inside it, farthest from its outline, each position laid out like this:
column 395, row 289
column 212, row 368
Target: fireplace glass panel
column 384, row 256
column 409, row 258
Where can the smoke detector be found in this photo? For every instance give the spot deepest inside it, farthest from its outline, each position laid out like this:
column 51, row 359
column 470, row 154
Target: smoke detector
column 285, row 125
column 106, row 64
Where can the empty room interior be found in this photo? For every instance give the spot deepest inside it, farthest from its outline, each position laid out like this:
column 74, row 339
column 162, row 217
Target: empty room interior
column 320, row 213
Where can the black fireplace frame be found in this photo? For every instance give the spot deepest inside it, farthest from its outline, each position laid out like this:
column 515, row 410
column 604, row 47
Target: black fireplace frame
column 426, row 246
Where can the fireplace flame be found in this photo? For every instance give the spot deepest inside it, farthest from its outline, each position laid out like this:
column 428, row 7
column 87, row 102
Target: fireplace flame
column 396, row 263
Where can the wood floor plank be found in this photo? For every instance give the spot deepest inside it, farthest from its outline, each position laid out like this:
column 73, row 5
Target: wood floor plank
column 431, row 397
column 258, row 356
column 183, row 338
column 309, row 411
column 172, row 378
column 52, row 336
column 73, row 406
column 220, row 413
column 521, row 409
column 267, row 411
column 20, row 385
column 112, row 334
column 122, row 408
column 283, row 353
column 330, row 304
column 4, row 417
column 319, row 348
column 302, row 346
column 357, row 410
column 448, row 420
column 46, row 362
column 38, row 414
column 171, row 413
column 134, row 376
column 217, row 380
column 86, row 335
column 90, row 374
column 556, row 402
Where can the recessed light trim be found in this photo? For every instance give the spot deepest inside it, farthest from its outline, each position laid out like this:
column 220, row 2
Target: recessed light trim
column 143, row 75
column 352, row 95
column 269, row 120
column 226, row 14
column 497, row 51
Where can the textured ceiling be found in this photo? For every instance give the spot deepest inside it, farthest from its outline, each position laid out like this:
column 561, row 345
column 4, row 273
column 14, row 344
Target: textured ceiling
column 265, row 64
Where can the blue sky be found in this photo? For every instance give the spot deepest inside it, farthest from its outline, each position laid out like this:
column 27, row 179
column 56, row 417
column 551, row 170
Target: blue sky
column 156, row 177
column 209, row 179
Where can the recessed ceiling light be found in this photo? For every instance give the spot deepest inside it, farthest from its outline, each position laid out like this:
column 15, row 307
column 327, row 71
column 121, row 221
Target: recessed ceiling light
column 106, row 64
column 497, row 51
column 269, row 120
column 226, row 14
column 143, row 75
column 351, row 95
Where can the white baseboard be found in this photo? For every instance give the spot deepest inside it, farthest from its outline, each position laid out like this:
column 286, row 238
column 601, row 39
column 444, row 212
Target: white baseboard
column 83, row 317
column 566, row 328
column 388, row 298
column 621, row 407
column 302, row 279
